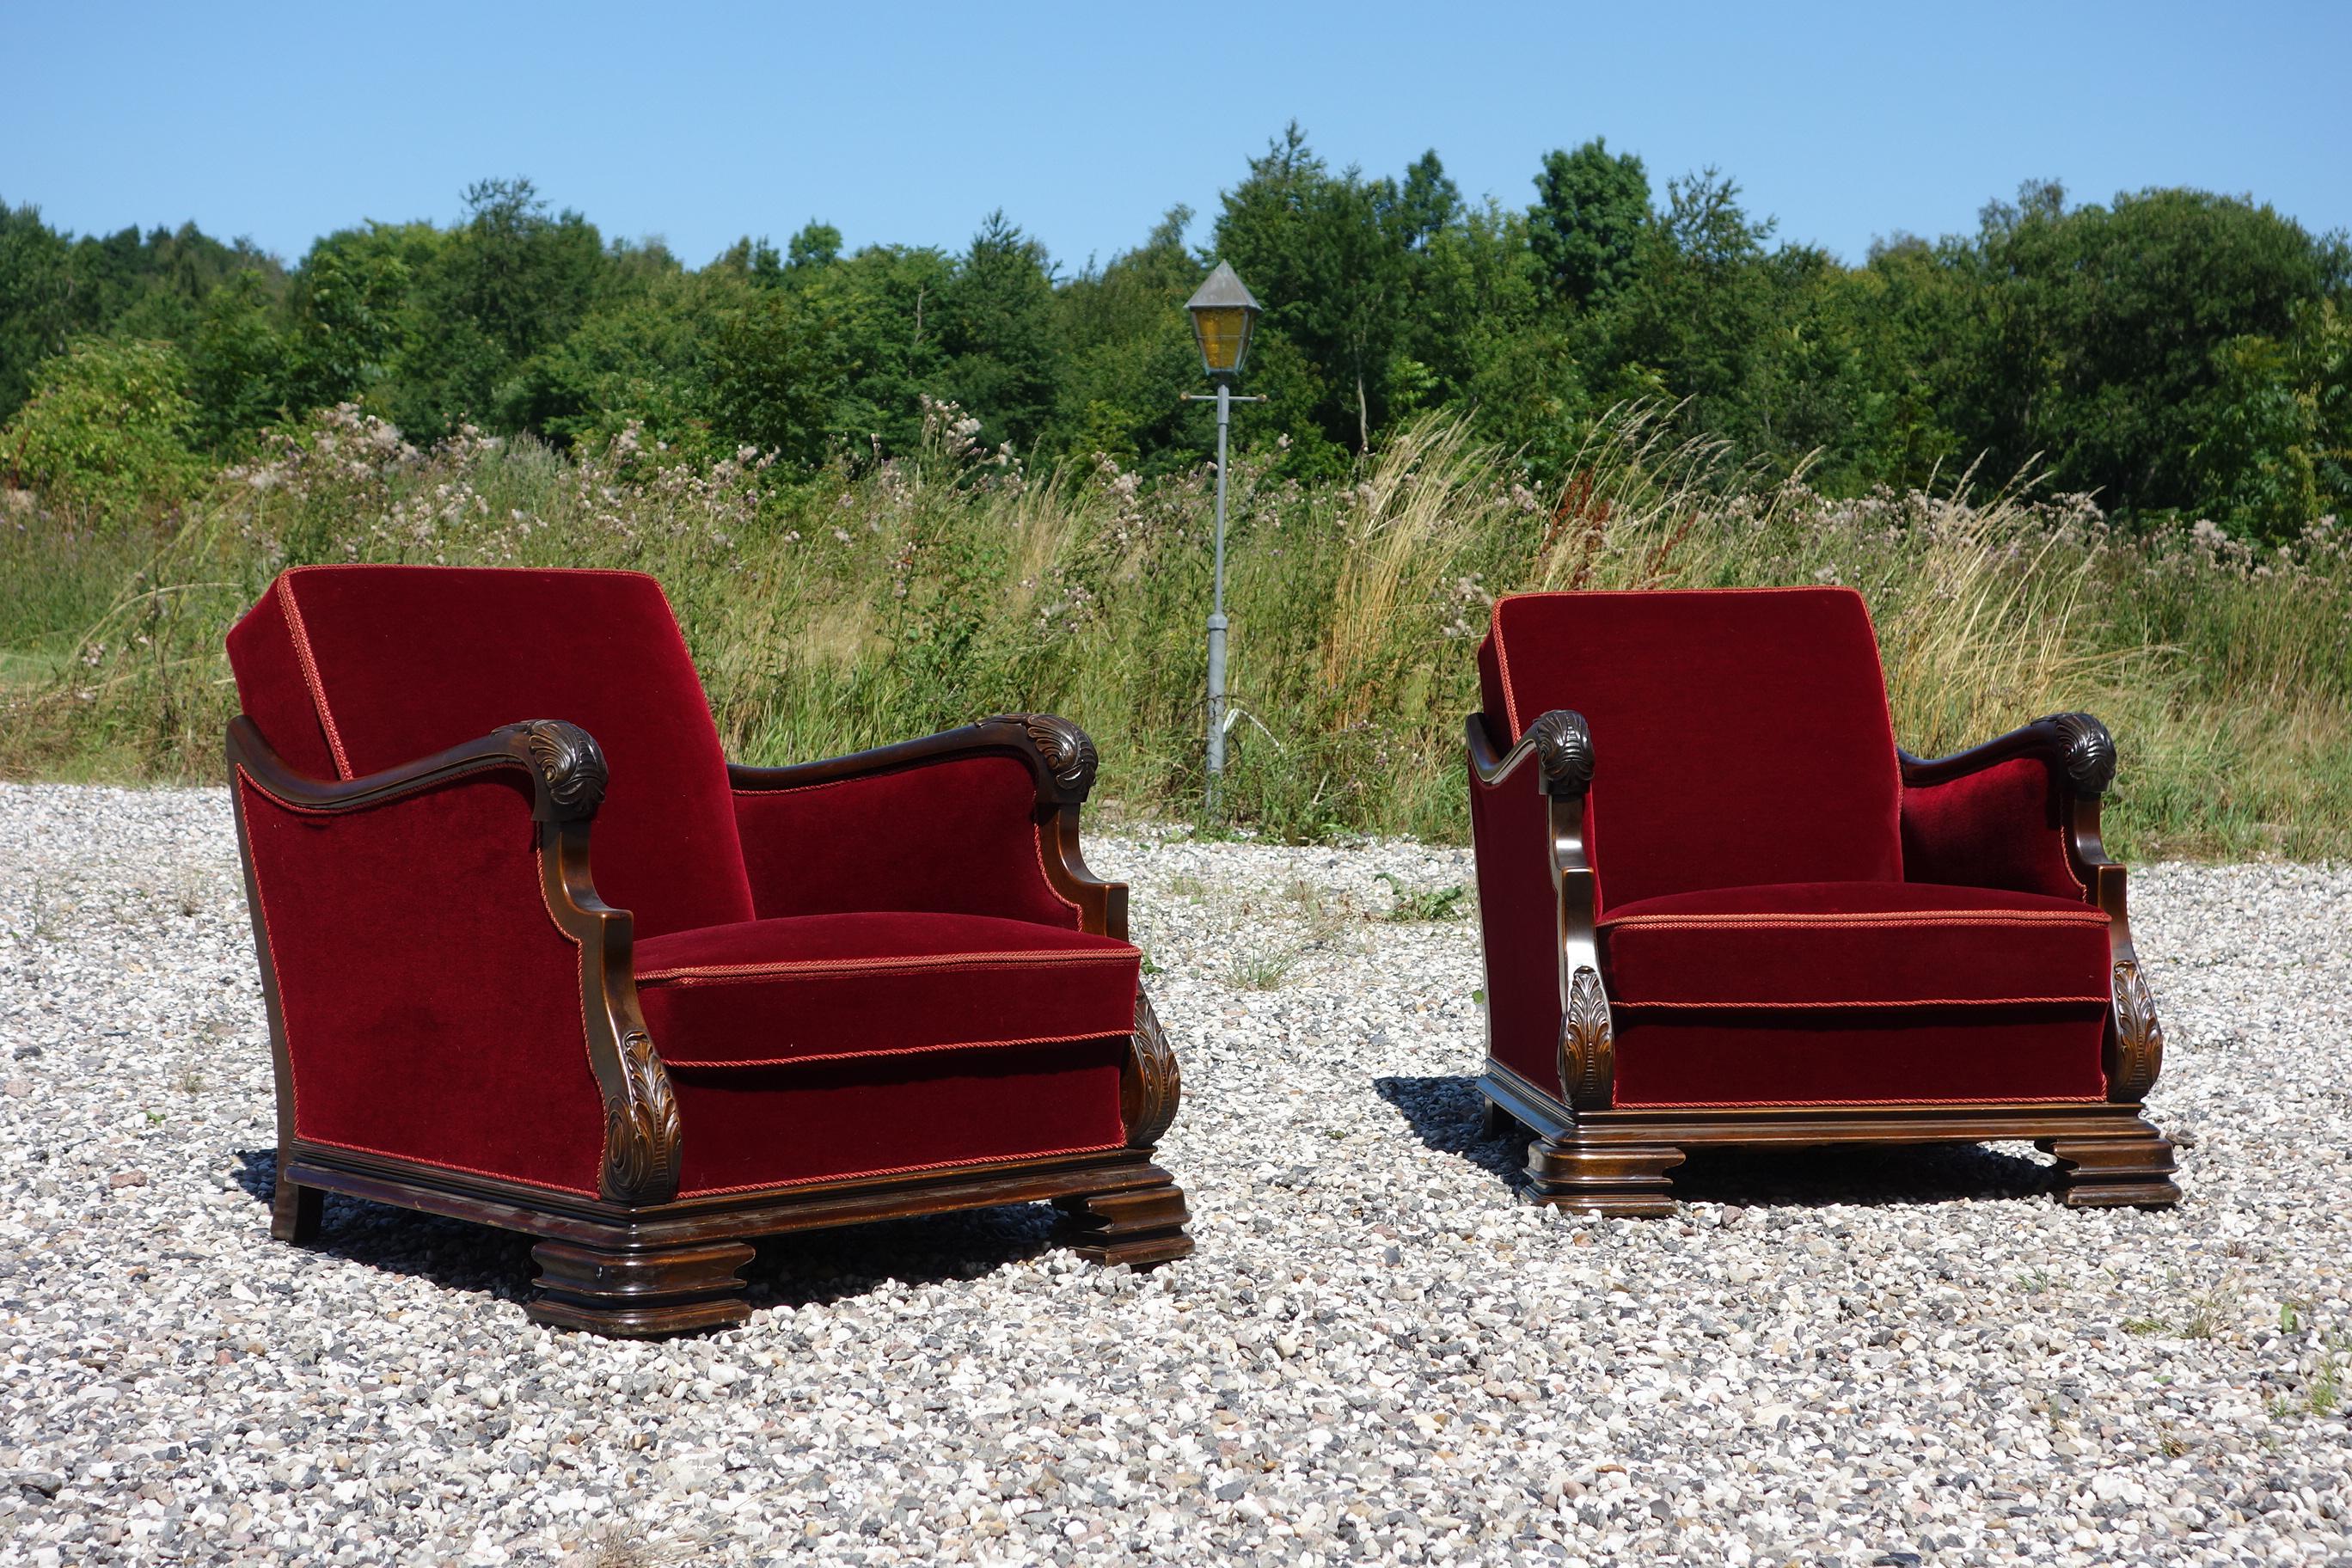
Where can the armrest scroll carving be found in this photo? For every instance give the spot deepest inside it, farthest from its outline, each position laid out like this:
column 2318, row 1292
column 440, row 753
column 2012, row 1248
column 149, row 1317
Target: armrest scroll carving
column 571, row 768
column 2089, row 757
column 1559, row 740
column 1153, row 1084
column 1068, row 751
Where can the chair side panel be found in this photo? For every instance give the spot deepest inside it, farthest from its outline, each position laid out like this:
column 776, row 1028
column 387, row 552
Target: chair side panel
column 1510, row 826
column 431, row 1006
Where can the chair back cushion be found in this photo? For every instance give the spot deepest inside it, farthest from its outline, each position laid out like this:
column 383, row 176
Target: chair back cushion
column 1739, row 735
column 349, row 670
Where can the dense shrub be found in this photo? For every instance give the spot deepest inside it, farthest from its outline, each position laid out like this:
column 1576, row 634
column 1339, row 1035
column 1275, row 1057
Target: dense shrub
column 107, row 428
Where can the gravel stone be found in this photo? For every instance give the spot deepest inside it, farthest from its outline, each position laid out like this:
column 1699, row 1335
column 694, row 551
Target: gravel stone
column 1379, row 1353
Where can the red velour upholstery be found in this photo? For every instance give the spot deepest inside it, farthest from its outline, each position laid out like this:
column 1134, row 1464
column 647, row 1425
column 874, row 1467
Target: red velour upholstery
column 961, row 837
column 1781, row 923
column 751, row 1126
column 398, row 662
column 432, row 1006
column 1996, row 828
column 817, row 988
column 1859, row 1055
column 1740, row 735
column 1852, row 944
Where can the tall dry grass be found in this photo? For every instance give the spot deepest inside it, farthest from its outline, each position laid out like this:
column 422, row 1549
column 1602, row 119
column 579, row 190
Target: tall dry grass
column 850, row 610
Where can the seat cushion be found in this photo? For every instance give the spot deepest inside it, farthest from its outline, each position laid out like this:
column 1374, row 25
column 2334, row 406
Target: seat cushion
column 882, row 1115
column 1856, row 994
column 1854, row 944
column 819, row 988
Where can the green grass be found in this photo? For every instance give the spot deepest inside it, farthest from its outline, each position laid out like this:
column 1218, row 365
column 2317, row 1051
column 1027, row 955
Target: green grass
column 846, row 611
column 1416, row 906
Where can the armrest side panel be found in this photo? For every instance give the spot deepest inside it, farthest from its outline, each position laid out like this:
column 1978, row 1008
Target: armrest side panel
column 430, row 1007
column 2003, row 826
column 1511, row 838
column 960, row 835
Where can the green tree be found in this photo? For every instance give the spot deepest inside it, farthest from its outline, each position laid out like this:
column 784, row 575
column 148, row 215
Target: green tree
column 816, row 245
column 37, row 312
column 1328, row 255
column 997, row 327
column 241, row 365
column 2110, row 331
column 1591, row 207
column 1126, row 354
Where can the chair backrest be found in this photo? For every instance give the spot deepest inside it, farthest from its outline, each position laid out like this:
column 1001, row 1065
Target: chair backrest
column 1739, row 736
column 348, row 670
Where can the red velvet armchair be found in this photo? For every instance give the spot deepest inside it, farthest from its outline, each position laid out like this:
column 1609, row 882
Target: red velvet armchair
column 789, row 997
column 1720, row 906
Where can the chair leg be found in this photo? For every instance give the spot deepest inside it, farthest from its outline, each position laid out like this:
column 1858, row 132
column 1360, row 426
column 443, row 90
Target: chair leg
column 639, row 1292
column 1494, row 1122
column 1610, row 1180
column 294, row 1211
column 2111, row 1170
column 1136, row 1225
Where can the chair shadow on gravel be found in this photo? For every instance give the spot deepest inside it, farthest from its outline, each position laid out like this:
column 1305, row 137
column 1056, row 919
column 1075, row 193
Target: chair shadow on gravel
column 813, row 1268
column 1445, row 1114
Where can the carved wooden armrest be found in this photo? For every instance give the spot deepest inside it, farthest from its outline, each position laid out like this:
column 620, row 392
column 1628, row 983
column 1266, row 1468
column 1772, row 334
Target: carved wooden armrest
column 1056, row 753
column 2075, row 745
column 566, row 766
column 1060, row 758
column 568, row 774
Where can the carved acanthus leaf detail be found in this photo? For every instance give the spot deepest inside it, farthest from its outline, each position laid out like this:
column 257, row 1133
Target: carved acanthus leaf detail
column 1563, row 751
column 2139, row 1037
column 1069, row 754
column 1153, row 1084
column 641, row 1128
column 1588, row 1045
column 571, row 763
column 2090, row 755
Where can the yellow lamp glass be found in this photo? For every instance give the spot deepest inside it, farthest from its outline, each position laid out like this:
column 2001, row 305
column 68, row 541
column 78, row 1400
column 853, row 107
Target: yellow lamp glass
column 1223, row 332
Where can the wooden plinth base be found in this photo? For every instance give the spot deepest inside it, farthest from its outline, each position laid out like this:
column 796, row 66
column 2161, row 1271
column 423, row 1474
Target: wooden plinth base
column 1616, row 1161
column 640, row 1292
column 2131, row 1169
column 676, row 1268
column 1139, row 1226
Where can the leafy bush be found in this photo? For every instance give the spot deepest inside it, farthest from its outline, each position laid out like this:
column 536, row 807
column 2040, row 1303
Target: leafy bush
column 106, row 429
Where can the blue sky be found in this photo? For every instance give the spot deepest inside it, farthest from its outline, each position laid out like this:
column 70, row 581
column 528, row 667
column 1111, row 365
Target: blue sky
column 1086, row 122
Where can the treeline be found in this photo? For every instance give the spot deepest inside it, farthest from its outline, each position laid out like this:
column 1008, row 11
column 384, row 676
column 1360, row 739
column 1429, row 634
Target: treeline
column 2173, row 351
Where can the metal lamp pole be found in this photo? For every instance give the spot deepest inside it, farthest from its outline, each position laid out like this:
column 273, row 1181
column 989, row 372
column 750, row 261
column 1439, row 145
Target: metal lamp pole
column 1217, row 611
column 1222, row 316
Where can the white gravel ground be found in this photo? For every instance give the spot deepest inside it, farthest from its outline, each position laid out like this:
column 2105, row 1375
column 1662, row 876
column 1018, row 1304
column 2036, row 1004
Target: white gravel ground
column 1379, row 1351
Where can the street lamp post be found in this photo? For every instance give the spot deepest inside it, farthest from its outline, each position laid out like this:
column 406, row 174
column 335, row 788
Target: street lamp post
column 1224, row 314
